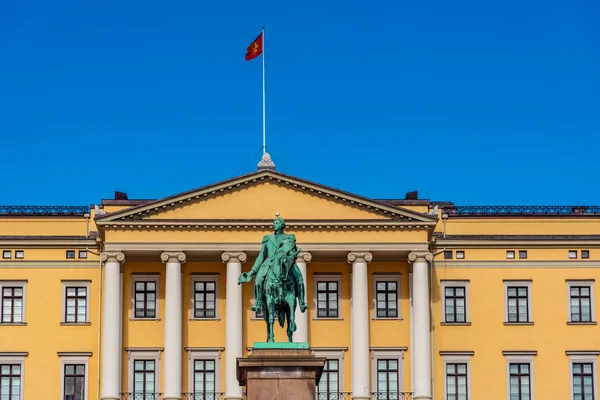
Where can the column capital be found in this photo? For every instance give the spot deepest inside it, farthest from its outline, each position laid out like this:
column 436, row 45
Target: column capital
column 359, row 256
column 173, row 257
column 304, row 257
column 112, row 256
column 234, row 256
column 420, row 256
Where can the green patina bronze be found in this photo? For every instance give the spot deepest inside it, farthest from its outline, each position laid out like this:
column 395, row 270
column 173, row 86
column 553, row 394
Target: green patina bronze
column 278, row 286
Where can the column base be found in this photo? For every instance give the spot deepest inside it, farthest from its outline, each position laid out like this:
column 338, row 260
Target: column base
column 422, row 397
column 361, row 397
column 274, row 374
column 172, row 397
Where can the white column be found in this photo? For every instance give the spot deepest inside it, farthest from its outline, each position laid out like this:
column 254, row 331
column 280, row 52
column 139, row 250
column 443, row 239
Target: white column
column 111, row 330
column 233, row 323
column 173, row 325
column 301, row 334
column 361, row 388
column 421, row 326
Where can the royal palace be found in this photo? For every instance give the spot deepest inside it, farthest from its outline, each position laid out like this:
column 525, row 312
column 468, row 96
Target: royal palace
column 408, row 298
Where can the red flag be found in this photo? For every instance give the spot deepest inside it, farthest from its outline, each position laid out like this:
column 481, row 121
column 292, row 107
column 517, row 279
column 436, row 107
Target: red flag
column 255, row 48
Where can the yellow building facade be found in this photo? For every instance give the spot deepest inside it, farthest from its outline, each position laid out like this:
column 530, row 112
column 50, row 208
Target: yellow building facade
column 408, row 298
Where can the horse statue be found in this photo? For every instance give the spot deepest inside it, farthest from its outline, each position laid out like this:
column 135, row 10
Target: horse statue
column 278, row 286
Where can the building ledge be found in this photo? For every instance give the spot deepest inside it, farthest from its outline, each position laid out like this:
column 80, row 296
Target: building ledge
column 455, row 324
column 13, row 324
column 75, row 324
column 583, row 323
column 518, row 323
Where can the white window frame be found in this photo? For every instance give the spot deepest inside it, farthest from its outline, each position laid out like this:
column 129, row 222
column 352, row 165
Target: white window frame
column 581, row 282
column 78, row 284
column 197, row 277
column 74, row 358
column 16, row 283
column 337, row 277
column 457, row 357
column 518, row 283
column 583, row 357
column 456, row 283
column 19, row 359
column 145, row 278
column 521, row 357
column 333, row 353
column 386, row 354
column 204, row 353
column 377, row 277
column 142, row 353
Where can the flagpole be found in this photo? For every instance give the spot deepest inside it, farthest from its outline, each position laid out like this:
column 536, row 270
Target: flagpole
column 263, row 90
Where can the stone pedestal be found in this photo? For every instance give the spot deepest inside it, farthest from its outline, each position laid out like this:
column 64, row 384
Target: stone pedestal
column 280, row 371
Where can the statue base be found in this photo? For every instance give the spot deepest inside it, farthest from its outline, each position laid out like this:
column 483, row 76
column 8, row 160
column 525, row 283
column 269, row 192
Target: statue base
column 277, row 371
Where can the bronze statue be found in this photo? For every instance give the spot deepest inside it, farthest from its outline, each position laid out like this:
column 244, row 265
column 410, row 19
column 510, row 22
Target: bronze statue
column 278, row 286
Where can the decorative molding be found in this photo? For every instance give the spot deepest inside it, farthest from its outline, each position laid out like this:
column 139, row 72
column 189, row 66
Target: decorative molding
column 456, row 353
column 360, row 257
column 234, row 257
column 420, row 257
column 391, row 247
column 521, row 241
column 14, row 353
column 304, row 257
column 41, row 242
column 520, row 211
column 517, row 264
column 74, row 353
column 45, row 211
column 519, row 352
column 64, row 264
column 173, row 257
column 582, row 352
column 107, row 257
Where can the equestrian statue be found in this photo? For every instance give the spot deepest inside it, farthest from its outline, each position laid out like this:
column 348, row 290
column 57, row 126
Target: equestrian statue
column 278, row 286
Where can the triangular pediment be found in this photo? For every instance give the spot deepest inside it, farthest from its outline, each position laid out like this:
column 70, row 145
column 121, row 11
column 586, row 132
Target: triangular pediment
column 258, row 196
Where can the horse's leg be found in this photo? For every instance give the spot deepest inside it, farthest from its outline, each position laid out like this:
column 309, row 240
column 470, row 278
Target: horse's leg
column 271, row 315
column 291, row 317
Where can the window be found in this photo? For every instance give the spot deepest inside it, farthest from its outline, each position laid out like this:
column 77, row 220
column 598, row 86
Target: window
column 518, row 301
column 143, row 372
column 388, row 373
column 76, row 302
column 145, row 295
column 70, row 253
column 583, row 374
column 386, row 289
column 580, row 301
column 327, row 289
column 572, row 253
column 13, row 302
column 520, row 381
column 519, row 365
column 460, row 254
column 448, row 255
column 204, row 370
column 74, row 375
column 457, row 372
column 11, row 375
column 19, row 254
column 387, row 379
column 455, row 301
column 329, row 385
column 10, row 381
column 510, row 254
column 522, row 254
column 83, row 254
column 144, row 378
column 585, row 254
column 6, row 254
column 205, row 299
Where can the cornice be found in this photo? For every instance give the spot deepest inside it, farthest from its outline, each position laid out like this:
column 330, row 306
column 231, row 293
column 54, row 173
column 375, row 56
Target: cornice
column 57, row 264
column 154, row 207
column 45, row 243
column 523, row 242
column 309, row 225
column 255, row 246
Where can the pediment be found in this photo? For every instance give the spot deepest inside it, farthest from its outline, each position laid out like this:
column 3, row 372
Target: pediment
column 257, row 197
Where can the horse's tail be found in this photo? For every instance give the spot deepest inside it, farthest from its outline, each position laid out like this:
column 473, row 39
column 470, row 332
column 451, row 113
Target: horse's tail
column 281, row 317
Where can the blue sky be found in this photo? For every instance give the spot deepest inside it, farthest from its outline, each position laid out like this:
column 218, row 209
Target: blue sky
column 466, row 101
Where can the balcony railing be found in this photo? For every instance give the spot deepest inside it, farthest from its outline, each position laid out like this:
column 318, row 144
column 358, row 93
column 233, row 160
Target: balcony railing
column 203, row 396
column 391, row 396
column 519, row 211
column 141, row 396
column 44, row 210
column 334, row 396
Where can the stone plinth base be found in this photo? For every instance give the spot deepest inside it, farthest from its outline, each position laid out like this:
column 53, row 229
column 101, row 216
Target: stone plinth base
column 280, row 373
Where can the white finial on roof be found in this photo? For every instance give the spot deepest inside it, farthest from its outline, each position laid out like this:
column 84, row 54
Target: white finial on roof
column 266, row 162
